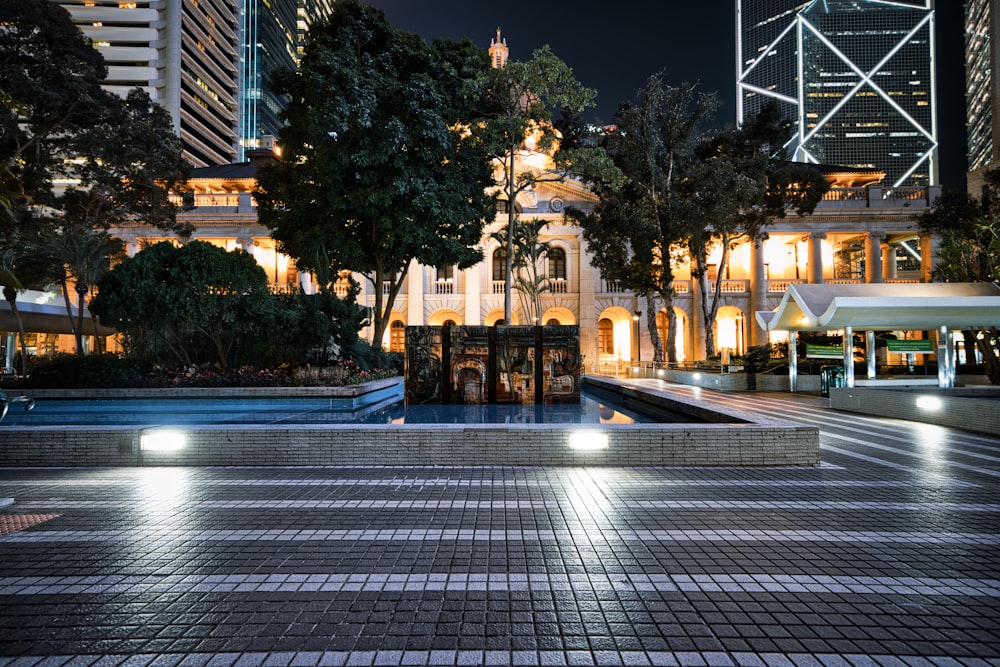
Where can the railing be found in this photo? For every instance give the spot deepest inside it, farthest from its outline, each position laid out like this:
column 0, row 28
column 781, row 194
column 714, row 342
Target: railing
column 846, row 194
column 286, row 288
column 903, row 192
column 499, row 287
column 612, row 287
column 681, row 286
column 208, row 200
column 444, row 287
column 734, row 286
column 558, row 287
column 781, row 286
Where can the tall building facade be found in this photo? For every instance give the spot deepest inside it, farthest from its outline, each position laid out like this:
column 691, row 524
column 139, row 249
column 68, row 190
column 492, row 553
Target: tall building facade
column 274, row 33
column 981, row 61
column 184, row 54
column 856, row 76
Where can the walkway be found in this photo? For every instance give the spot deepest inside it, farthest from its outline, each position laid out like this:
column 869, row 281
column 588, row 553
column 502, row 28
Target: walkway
column 887, row 554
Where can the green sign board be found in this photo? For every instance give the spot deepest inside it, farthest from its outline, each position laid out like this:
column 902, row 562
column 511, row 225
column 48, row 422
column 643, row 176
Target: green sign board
column 825, row 351
column 924, row 346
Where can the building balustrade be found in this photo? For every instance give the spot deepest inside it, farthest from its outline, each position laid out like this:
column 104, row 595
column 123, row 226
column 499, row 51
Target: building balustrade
column 558, row 287
column 499, row 287
column 444, row 287
column 734, row 286
column 780, row 286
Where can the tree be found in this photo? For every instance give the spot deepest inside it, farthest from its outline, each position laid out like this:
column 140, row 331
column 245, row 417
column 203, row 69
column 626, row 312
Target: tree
column 634, row 231
column 529, row 251
column 734, row 189
column 184, row 297
column 50, row 81
column 128, row 166
column 969, row 251
column 521, row 99
column 380, row 167
column 83, row 255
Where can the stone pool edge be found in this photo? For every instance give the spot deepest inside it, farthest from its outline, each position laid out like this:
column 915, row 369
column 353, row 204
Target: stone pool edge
column 751, row 441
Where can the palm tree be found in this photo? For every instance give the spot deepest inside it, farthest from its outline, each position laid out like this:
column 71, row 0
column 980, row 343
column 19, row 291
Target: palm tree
column 529, row 251
column 83, row 256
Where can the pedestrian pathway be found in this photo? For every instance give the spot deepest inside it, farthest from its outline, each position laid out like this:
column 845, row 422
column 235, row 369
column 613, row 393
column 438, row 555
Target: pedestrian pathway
column 888, row 553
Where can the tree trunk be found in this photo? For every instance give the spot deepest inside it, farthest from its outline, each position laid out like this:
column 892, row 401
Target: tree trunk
column 81, row 302
column 654, row 334
column 511, row 221
column 989, row 354
column 668, row 306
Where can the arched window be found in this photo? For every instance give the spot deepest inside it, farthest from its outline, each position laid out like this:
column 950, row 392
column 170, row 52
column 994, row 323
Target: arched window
column 605, row 336
column 448, row 323
column 499, row 264
column 445, row 273
column 397, row 337
column 552, row 321
column 557, row 264
column 662, row 328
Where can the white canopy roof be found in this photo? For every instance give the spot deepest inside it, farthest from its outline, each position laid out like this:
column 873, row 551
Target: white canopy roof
column 45, row 312
column 884, row 306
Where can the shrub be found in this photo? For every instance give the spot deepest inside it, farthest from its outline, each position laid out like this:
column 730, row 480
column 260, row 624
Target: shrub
column 65, row 371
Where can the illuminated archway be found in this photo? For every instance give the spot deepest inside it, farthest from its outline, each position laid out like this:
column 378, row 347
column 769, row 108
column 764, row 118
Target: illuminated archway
column 662, row 328
column 730, row 330
column 496, row 315
column 562, row 315
column 615, row 335
column 440, row 317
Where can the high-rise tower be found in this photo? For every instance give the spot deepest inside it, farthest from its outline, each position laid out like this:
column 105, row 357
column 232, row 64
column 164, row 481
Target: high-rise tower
column 274, row 34
column 856, row 76
column 982, row 18
column 184, row 54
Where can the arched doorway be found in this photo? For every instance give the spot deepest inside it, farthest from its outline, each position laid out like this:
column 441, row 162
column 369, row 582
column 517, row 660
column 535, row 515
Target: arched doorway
column 397, row 336
column 730, row 330
column 662, row 328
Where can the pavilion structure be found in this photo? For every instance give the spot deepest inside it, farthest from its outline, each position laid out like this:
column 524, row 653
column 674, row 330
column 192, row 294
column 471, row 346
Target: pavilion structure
column 934, row 307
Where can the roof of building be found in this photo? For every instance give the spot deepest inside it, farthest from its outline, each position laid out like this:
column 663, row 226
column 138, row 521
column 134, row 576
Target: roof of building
column 884, row 307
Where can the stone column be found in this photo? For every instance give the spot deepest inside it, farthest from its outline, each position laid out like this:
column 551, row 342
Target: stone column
column 928, row 251
column 815, row 269
column 472, row 315
column 849, row 357
column 414, row 294
column 758, row 293
column 873, row 258
column 888, row 261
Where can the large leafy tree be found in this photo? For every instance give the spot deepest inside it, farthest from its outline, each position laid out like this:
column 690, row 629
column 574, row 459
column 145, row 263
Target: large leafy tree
column 49, row 88
column 635, row 231
column 380, row 166
column 736, row 186
column 185, row 297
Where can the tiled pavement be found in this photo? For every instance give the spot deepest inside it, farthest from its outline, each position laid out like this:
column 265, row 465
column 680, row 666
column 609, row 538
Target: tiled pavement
column 887, row 554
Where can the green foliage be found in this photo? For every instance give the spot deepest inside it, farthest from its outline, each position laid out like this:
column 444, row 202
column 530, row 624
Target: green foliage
column 634, row 231
column 50, row 81
column 188, row 300
column 93, row 371
column 379, row 167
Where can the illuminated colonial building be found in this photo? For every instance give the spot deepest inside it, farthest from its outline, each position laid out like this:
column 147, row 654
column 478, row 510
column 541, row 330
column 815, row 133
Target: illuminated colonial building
column 856, row 75
column 862, row 233
column 981, row 60
column 184, row 54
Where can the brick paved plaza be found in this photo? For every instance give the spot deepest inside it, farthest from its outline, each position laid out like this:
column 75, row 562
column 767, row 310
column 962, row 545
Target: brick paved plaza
column 886, row 554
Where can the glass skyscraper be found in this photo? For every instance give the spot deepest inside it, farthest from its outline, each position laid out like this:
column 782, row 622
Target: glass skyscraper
column 856, row 76
column 273, row 33
column 981, row 17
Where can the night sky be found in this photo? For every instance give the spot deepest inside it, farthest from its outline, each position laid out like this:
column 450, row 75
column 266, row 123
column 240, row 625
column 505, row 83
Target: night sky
column 614, row 47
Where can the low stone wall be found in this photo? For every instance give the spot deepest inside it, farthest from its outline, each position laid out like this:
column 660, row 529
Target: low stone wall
column 747, row 441
column 971, row 408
